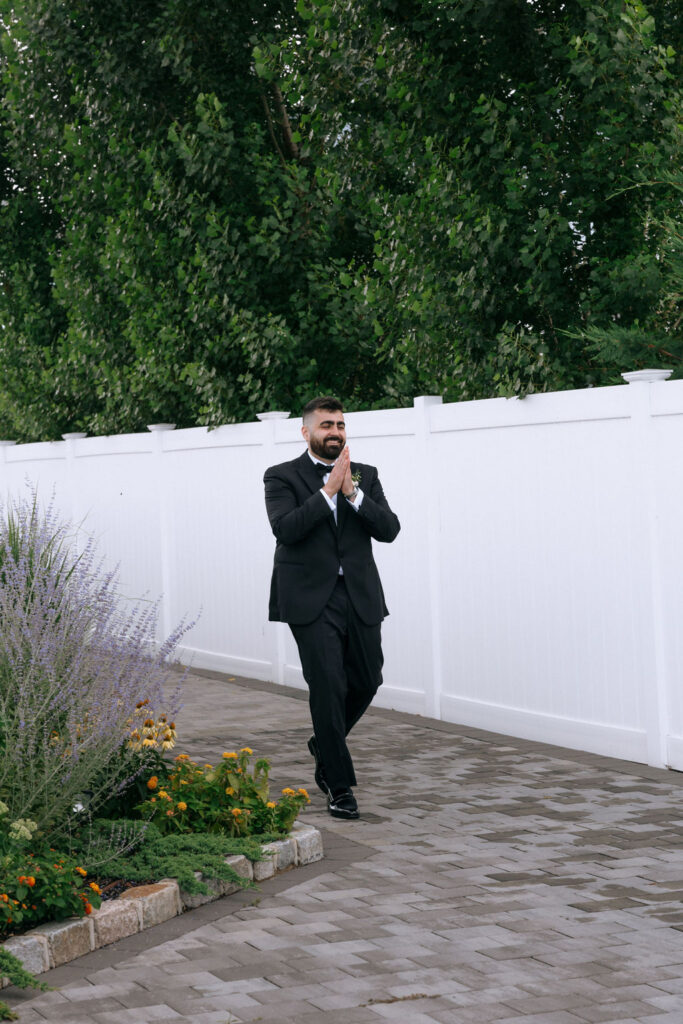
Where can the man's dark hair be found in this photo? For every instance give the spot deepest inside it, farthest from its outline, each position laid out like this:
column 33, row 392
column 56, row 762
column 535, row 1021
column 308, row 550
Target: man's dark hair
column 326, row 402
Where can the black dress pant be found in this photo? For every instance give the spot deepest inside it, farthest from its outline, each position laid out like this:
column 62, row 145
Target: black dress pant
column 342, row 660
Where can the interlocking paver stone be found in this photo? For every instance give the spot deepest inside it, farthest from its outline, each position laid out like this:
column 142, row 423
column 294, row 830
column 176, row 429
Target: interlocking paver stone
column 488, row 880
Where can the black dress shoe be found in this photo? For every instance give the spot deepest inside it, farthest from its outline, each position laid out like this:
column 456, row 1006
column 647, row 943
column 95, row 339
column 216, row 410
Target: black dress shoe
column 319, row 776
column 343, row 805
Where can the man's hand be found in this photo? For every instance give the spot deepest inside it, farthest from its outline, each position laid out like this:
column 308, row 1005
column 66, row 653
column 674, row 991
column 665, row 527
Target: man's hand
column 340, row 475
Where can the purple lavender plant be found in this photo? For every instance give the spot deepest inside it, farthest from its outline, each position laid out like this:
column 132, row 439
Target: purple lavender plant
column 75, row 659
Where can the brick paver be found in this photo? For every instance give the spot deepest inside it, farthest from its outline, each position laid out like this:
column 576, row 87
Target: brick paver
column 488, row 880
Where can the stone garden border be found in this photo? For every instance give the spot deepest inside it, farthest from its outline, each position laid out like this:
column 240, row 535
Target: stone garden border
column 60, row 942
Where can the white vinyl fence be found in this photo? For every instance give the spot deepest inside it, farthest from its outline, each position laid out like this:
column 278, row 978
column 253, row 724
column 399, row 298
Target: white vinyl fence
column 535, row 589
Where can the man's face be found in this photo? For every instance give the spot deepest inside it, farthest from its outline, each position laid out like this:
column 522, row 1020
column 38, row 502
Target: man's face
column 325, row 433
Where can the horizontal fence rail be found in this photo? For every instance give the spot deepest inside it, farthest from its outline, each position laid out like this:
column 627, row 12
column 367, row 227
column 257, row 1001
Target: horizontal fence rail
column 534, row 589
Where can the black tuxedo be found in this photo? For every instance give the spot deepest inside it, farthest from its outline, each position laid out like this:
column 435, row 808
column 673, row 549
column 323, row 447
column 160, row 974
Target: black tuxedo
column 335, row 619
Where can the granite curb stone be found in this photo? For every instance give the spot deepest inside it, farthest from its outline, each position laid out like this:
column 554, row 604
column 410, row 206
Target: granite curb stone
column 52, row 945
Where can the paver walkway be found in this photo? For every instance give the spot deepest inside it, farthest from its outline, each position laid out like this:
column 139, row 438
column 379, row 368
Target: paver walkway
column 489, row 879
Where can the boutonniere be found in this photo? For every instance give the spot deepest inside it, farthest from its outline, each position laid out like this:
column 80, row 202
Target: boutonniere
column 355, row 478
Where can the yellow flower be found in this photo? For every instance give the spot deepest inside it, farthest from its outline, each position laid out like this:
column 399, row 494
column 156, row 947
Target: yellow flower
column 230, row 791
column 95, row 888
column 181, row 805
column 246, row 750
column 302, row 792
column 271, row 804
column 231, row 754
column 164, row 795
column 81, row 872
column 147, row 742
column 288, row 792
column 236, row 811
column 183, row 757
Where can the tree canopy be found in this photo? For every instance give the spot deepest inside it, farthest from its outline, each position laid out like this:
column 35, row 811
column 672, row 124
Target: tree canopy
column 211, row 210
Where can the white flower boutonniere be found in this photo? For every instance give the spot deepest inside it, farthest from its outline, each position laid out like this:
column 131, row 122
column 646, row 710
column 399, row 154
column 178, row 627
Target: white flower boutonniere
column 355, row 478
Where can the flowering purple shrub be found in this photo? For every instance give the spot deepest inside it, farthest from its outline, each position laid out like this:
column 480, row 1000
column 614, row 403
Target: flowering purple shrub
column 75, row 659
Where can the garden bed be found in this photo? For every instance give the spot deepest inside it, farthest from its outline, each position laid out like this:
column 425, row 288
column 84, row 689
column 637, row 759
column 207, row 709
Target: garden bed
column 144, row 906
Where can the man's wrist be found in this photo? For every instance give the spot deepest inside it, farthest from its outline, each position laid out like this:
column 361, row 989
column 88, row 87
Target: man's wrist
column 351, row 495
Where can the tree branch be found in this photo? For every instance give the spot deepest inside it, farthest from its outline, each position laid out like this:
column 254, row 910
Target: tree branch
column 291, row 146
column 271, row 127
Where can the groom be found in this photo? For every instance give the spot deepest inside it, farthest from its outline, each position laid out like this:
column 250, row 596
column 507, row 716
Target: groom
column 325, row 511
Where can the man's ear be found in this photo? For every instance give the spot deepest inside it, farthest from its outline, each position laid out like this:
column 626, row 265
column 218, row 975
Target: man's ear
column 305, row 433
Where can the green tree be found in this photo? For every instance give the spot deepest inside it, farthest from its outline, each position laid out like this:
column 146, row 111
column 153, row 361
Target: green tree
column 484, row 147
column 208, row 210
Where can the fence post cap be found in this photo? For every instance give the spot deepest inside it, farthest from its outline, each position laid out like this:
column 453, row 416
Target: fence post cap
column 277, row 415
column 646, row 376
column 160, row 426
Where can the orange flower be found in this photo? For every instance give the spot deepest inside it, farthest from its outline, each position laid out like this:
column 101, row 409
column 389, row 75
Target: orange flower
column 169, row 814
column 302, row 792
column 95, row 888
column 88, row 907
column 181, row 805
column 81, row 872
column 30, row 881
column 153, row 782
column 236, row 811
column 246, row 750
column 229, row 755
column 271, row 804
column 288, row 792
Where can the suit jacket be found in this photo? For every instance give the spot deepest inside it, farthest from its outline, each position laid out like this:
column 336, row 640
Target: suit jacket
column 310, row 546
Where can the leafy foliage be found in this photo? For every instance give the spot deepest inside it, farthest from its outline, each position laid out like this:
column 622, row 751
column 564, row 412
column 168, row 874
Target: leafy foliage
column 217, row 209
column 228, row 798
column 38, row 884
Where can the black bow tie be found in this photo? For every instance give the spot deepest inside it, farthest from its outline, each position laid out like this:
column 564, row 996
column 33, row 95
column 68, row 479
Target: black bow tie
column 321, row 469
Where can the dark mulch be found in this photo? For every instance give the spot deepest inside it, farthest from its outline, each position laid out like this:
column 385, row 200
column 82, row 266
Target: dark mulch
column 113, row 887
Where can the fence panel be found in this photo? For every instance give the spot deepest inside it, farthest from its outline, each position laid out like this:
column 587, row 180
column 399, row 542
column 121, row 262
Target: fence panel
column 534, row 588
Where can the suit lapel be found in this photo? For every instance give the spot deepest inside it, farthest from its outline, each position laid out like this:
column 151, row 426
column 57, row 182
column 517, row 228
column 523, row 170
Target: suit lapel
column 314, row 482
column 308, row 473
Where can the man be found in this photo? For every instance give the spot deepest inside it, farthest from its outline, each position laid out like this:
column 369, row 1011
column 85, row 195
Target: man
column 324, row 511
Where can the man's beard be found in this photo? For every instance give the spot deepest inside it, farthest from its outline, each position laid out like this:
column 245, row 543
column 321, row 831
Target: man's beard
column 328, row 449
